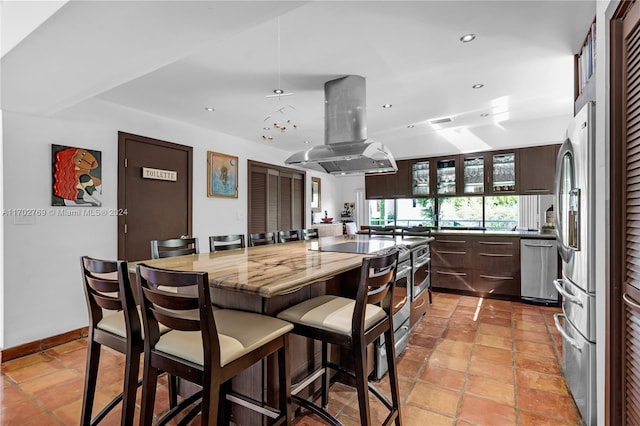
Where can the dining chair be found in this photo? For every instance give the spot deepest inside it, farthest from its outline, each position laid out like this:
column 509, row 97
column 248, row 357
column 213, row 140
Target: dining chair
column 206, row 346
column 226, row 242
column 291, row 235
column 310, row 234
column 352, row 324
column 262, row 238
column 174, row 247
column 351, row 228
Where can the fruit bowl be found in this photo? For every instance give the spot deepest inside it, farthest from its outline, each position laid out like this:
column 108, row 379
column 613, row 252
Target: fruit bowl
column 327, row 219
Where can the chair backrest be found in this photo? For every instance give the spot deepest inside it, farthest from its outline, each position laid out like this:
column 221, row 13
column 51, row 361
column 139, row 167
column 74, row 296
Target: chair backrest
column 174, row 247
column 377, row 280
column 262, row 238
column 291, row 235
column 351, row 228
column 107, row 288
column 310, row 234
column 226, row 242
column 188, row 310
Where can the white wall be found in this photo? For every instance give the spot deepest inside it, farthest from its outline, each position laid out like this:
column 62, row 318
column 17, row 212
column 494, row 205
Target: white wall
column 42, row 270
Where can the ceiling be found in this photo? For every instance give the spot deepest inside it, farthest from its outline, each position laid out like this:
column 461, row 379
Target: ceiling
column 175, row 58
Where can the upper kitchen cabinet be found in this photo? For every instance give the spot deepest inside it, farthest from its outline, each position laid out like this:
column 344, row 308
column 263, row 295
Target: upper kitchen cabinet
column 422, row 179
column 472, row 174
column 447, row 175
column 502, row 173
column 385, row 186
column 585, row 67
column 536, row 169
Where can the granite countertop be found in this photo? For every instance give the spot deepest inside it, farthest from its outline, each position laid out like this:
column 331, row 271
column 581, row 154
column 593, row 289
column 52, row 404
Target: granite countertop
column 272, row 270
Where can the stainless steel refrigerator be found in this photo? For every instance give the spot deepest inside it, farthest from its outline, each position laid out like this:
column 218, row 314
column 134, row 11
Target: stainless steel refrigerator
column 575, row 235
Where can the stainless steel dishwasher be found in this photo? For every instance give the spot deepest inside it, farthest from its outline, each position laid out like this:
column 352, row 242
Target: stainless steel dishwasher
column 538, row 269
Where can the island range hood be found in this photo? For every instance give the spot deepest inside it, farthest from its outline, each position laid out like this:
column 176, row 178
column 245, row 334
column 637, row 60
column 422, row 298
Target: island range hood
column 346, row 149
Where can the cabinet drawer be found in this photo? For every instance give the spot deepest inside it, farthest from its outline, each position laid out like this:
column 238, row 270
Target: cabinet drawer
column 451, row 257
column 496, row 244
column 419, row 308
column 495, row 283
column 502, row 262
column 460, row 279
column 449, row 242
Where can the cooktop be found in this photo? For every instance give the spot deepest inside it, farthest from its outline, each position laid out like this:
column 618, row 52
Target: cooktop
column 364, row 247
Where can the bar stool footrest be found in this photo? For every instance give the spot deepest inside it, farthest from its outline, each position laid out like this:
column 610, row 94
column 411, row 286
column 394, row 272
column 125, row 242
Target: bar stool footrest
column 374, row 390
column 181, row 406
column 317, row 410
column 115, row 401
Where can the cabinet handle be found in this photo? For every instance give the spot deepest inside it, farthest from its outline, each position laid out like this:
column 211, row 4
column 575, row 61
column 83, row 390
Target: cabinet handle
column 493, row 277
column 452, row 252
column 457, row 274
column 629, row 302
column 451, row 241
column 538, row 245
column 495, row 255
column 422, row 302
column 537, row 191
column 564, row 334
column 495, row 243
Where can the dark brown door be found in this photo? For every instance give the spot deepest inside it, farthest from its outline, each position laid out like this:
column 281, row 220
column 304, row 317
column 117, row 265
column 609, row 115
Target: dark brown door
column 156, row 209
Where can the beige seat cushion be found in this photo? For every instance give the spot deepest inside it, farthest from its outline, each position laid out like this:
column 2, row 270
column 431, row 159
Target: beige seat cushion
column 331, row 313
column 114, row 323
column 239, row 333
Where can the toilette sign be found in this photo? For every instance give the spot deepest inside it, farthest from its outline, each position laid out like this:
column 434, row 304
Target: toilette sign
column 159, row 174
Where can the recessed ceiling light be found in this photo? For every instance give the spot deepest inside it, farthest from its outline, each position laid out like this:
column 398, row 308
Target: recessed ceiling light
column 411, row 126
column 387, row 106
column 278, row 91
column 467, row 38
column 306, row 141
column 477, row 86
column 484, row 114
column 209, row 109
column 266, row 128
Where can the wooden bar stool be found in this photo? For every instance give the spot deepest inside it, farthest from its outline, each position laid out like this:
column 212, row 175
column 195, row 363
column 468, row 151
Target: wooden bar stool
column 173, row 247
column 262, row 238
column 206, row 346
column 291, row 235
column 310, row 234
column 352, row 324
column 226, row 242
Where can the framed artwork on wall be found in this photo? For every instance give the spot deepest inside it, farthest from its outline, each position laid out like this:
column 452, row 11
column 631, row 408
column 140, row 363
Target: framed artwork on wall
column 76, row 177
column 222, row 175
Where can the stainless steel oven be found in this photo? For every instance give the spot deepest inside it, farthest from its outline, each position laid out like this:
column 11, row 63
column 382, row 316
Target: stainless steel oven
column 401, row 312
column 421, row 266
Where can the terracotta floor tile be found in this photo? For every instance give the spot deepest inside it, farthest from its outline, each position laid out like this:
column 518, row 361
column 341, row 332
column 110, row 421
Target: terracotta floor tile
column 464, row 324
column 485, row 412
column 20, row 412
column 58, row 377
column 495, row 314
column 10, row 396
column 530, row 326
column 427, row 329
column 469, row 301
column 440, row 312
column 59, row 395
column 538, row 349
column 426, row 342
column 532, row 336
column 80, row 344
column 32, row 371
column 527, row 418
column 454, row 347
column 494, row 330
column 445, row 360
column 500, row 392
column 491, row 370
column 493, row 320
column 409, row 368
column 416, row 353
column 435, row 398
column 444, row 377
column 546, row 403
column 24, row 361
column 494, row 341
column 529, row 317
column 435, row 320
column 459, row 335
column 499, row 356
column 412, row 415
column 309, row 420
column 497, row 305
column 541, row 381
column 536, row 363
column 44, row 419
column 466, row 310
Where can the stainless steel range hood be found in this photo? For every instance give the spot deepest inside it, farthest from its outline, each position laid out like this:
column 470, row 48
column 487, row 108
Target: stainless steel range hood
column 346, row 149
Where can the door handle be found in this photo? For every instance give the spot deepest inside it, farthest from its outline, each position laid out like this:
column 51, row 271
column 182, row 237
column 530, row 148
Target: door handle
column 570, row 297
column 537, row 246
column 629, row 302
column 564, row 334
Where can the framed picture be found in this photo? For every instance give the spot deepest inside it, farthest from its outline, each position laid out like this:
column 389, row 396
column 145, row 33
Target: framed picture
column 222, row 175
column 315, row 194
column 76, row 177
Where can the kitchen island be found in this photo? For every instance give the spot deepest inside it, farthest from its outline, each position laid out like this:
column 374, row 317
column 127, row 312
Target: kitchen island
column 268, row 279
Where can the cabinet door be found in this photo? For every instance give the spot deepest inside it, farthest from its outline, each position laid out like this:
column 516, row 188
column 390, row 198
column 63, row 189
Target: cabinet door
column 447, row 175
column 422, row 182
column 375, row 187
column 502, row 173
column 537, row 169
column 472, row 174
column 399, row 184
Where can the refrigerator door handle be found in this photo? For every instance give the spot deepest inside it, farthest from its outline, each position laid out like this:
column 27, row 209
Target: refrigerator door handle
column 570, row 297
column 564, row 334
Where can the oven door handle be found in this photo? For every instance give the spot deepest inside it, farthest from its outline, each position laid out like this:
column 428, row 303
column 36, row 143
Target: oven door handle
column 403, row 272
column 422, row 262
column 565, row 336
column 570, row 297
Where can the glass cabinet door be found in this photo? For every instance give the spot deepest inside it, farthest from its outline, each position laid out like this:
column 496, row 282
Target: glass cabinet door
column 504, row 173
column 473, row 175
column 446, row 177
column 421, row 179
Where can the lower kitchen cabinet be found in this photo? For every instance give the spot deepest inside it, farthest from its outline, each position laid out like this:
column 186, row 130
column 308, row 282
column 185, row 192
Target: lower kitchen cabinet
column 477, row 264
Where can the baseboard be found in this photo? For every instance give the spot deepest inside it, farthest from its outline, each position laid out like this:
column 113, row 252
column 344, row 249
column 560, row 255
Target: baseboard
column 42, row 344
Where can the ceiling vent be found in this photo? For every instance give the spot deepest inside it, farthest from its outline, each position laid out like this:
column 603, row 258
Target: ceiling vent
column 440, row 120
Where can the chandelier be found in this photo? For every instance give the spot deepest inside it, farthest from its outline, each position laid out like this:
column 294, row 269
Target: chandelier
column 277, row 121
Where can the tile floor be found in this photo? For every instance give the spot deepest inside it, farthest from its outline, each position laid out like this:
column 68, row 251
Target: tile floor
column 470, row 361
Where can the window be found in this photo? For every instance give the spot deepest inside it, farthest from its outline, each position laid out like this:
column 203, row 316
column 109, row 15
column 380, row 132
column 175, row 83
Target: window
column 382, row 212
column 501, row 213
column 460, row 211
column 415, row 212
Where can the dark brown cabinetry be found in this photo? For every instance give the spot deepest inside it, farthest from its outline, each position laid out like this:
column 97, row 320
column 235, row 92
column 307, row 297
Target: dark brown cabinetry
column 473, row 173
column 501, row 173
column 476, row 264
column 446, row 174
column 422, row 178
column 385, row 186
column 536, row 169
